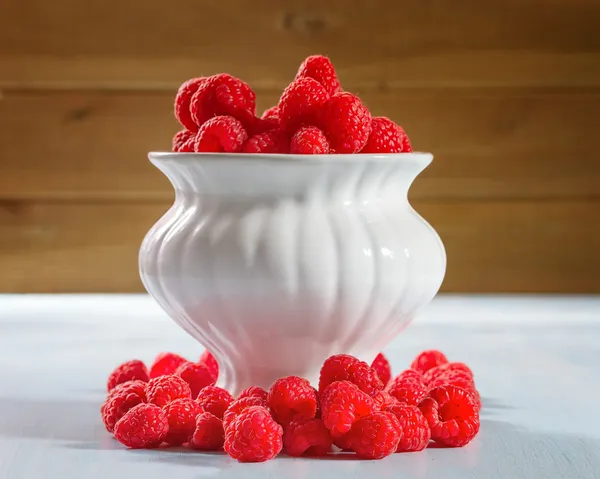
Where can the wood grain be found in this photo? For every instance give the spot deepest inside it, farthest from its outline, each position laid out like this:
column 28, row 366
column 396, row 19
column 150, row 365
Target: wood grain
column 530, row 246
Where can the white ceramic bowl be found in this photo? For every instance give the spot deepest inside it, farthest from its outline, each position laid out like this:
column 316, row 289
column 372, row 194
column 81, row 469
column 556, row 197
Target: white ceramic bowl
column 275, row 262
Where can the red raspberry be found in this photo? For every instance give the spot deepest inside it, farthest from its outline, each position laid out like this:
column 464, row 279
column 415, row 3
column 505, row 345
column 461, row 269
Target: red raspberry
column 415, row 433
column 221, row 134
column 409, row 391
column 346, row 123
column 385, row 137
column 128, row 371
column 164, row 389
column 427, row 360
column 209, row 434
column 181, row 414
column 210, row 362
column 321, row 69
column 454, row 377
column 239, row 405
column 342, row 403
column 342, row 441
column 143, row 426
column 309, row 140
column 375, row 436
column 408, row 375
column 183, row 141
column 343, row 367
column 308, row 437
column 120, row 400
column 272, row 141
column 223, row 95
column 254, row 391
column 382, row 400
column 166, row 363
column 300, row 104
column 434, row 373
column 290, row 397
column 383, row 369
column 215, row 400
column 253, row 436
column 452, row 415
column 272, row 112
column 182, row 103
column 198, row 376
column 406, row 146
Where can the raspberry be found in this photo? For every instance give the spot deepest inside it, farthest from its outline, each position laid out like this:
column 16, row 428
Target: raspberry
column 198, row 376
column 382, row 400
column 182, row 103
column 437, row 371
column 456, row 378
column 342, row 441
column 221, row 134
column 321, row 69
column 427, row 360
column 223, row 94
column 183, row 141
column 452, row 415
column 385, row 137
column 272, row 141
column 214, row 400
column 164, row 389
column 253, row 436
column 120, row 400
column 143, row 426
column 346, row 123
column 408, row 391
column 342, row 403
column 300, row 104
column 208, row 435
column 415, row 433
column 309, row 140
column 383, row 369
column 343, row 367
column 305, row 436
column 254, row 391
column 272, row 112
column 406, row 146
column 128, row 371
column 290, row 397
column 375, row 436
column 239, row 405
column 410, row 375
column 181, row 414
column 210, row 362
column 166, row 363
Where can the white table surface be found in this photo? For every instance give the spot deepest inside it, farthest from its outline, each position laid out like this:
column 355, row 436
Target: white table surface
column 536, row 361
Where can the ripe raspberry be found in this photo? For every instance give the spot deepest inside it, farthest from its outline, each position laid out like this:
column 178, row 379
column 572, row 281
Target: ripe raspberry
column 120, row 400
column 301, row 103
column 272, row 141
column 253, row 436
column 166, row 363
column 321, row 69
column 209, row 434
column 343, row 367
column 452, row 415
column 385, row 137
column 406, row 146
column 290, row 397
column 183, row 141
column 135, row 385
column 427, row 360
column 342, row 403
column 375, row 436
column 415, row 433
column 272, row 112
column 221, row 134
column 346, row 123
column 408, row 391
column 254, row 391
column 239, row 405
column 198, row 376
column 383, row 369
column 309, row 140
column 308, row 437
column 182, row 103
column 342, row 441
column 437, row 371
column 143, row 426
column 382, row 400
column 210, row 362
column 223, row 95
column 408, row 375
column 215, row 400
column 181, row 414
column 128, row 371
column 164, row 389
column 454, row 377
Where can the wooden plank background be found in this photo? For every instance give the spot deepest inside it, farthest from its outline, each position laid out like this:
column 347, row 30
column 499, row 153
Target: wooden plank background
column 505, row 93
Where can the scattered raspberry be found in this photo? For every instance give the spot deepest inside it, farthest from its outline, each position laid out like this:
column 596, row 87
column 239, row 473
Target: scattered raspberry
column 182, row 103
column 272, row 141
column 143, row 426
column 383, row 369
column 346, row 123
column 166, row 363
column 406, row 146
column 183, row 141
column 300, row 103
column 221, row 134
column 415, row 433
column 454, row 377
column 343, row 367
column 385, row 137
column 128, row 371
column 209, row 434
column 382, row 400
column 239, row 405
column 342, row 403
column 408, row 391
column 308, row 437
column 309, row 140
column 452, row 415
column 120, row 400
column 164, row 389
column 320, row 69
column 139, row 387
column 210, row 362
column 290, row 397
column 254, row 391
column 437, row 371
column 375, row 436
column 272, row 112
column 427, row 360
column 215, row 400
column 196, row 375
column 253, row 436
column 181, row 415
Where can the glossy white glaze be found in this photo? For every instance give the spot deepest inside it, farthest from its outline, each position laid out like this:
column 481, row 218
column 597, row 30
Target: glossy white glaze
column 276, row 262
